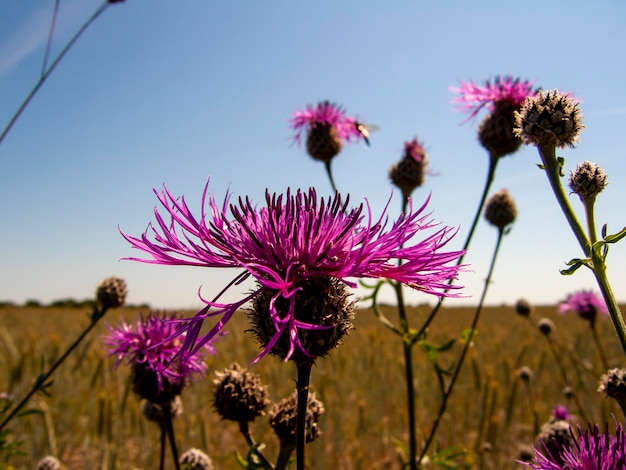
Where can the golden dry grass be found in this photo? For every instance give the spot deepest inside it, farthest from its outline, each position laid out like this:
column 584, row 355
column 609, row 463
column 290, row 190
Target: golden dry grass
column 92, row 421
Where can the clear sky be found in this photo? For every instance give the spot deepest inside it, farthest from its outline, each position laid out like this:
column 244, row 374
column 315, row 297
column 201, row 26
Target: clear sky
column 176, row 91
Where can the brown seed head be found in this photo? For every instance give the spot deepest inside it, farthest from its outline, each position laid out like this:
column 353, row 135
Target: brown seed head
column 239, row 395
column 283, row 418
column 546, row 326
column 525, row 373
column 154, row 411
column 111, row 292
column 49, row 463
column 500, row 209
column 549, row 118
column 587, row 180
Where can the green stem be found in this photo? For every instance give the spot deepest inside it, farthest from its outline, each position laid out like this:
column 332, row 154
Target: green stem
column 47, row 73
column 163, row 439
column 244, row 428
column 466, row 346
column 304, row 379
column 553, row 172
column 596, row 339
column 599, row 270
column 42, row 379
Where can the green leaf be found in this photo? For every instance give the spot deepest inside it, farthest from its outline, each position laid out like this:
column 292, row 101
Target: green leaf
column 615, row 237
column 541, row 166
column 574, row 265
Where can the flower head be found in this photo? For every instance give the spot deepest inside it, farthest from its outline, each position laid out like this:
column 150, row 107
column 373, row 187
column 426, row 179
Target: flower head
column 408, row 173
column 546, row 326
column 613, row 384
column 587, row 180
column 111, row 293
column 160, row 368
column 503, row 89
column 288, row 244
column 590, row 450
column 195, row 459
column 326, row 127
column 585, row 303
column 283, row 417
column 500, row 209
column 239, row 395
column 550, row 118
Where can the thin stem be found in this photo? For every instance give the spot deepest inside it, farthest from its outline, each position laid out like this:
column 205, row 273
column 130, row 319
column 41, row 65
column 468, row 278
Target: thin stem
column 304, row 379
column 244, row 429
column 491, row 172
column 330, row 175
column 42, row 379
column 50, row 36
column 466, row 346
column 167, row 413
column 599, row 270
column 47, row 72
column 284, row 455
column 553, row 172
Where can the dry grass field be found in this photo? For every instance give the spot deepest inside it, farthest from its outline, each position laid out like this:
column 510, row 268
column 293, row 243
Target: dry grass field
column 92, row 421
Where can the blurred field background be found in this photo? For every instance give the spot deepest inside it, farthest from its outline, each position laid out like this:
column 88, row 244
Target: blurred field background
column 93, row 421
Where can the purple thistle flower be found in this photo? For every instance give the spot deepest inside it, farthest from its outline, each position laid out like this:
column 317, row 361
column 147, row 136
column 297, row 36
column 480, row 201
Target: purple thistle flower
column 560, row 413
column 591, row 450
column 415, row 150
column 294, row 239
column 325, row 113
column 472, row 98
column 154, row 344
column 585, row 303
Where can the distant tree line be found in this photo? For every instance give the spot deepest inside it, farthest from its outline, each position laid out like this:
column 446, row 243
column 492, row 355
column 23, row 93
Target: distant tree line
column 61, row 303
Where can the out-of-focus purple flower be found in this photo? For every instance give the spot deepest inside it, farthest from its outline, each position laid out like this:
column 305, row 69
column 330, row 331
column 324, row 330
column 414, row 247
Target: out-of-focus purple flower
column 560, row 413
column 291, row 241
column 503, row 88
column 585, row 303
column 153, row 345
column 328, row 114
column 591, row 450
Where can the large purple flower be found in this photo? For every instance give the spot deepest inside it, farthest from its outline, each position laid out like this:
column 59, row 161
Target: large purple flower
column 153, row 349
column 325, row 114
column 294, row 241
column 592, row 450
column 585, row 303
column 472, row 97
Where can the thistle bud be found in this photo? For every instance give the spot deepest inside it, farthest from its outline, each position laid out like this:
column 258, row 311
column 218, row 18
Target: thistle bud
column 239, row 395
column 195, row 459
column 525, row 373
column 554, row 437
column 549, row 118
column 323, row 142
column 283, row 417
column 49, row 463
column 111, row 293
column 523, row 307
column 613, row 384
column 500, row 209
column 546, row 326
column 408, row 173
column 587, row 180
column 154, row 411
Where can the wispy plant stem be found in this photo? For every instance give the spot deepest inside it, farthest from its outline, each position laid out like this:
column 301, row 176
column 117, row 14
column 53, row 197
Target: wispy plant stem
column 167, row 413
column 468, row 342
column 40, row 382
column 46, row 72
column 329, row 172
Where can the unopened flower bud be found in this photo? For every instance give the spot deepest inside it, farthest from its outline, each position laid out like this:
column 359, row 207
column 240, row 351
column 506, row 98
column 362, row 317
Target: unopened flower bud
column 549, row 118
column 239, row 395
column 154, row 411
column 613, row 384
column 283, row 417
column 323, row 142
column 111, row 293
column 408, row 173
column 523, row 307
column 525, row 373
column 546, row 326
column 554, row 437
column 49, row 463
column 195, row 459
column 500, row 209
column 587, row 180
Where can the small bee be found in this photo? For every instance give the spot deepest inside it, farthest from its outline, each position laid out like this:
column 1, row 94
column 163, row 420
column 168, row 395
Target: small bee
column 364, row 130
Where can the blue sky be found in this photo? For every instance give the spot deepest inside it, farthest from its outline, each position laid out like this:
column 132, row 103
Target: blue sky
column 174, row 92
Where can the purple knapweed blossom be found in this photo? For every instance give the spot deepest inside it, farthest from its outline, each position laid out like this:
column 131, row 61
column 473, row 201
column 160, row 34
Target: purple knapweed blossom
column 585, row 303
column 591, row 450
column 504, row 88
column 294, row 239
column 154, row 345
column 560, row 413
column 325, row 113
